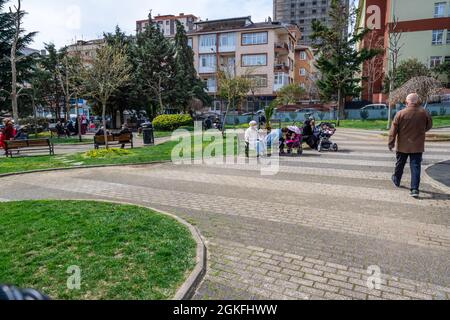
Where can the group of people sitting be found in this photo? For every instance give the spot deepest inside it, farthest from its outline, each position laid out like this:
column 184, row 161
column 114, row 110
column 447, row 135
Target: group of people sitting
column 10, row 132
column 289, row 138
column 124, row 130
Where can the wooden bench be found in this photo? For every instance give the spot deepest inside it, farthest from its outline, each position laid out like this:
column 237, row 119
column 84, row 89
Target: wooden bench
column 29, row 146
column 114, row 139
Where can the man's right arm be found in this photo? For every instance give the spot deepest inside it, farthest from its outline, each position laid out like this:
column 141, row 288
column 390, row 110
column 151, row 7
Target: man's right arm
column 394, row 132
column 429, row 122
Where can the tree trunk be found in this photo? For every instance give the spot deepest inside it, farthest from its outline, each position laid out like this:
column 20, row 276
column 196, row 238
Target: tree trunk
column 341, row 112
column 78, row 119
column 391, row 89
column 104, row 124
column 35, row 117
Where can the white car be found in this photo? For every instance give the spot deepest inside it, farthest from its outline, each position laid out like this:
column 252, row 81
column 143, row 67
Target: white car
column 375, row 107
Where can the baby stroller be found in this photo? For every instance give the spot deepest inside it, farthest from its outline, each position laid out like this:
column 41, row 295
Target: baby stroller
column 294, row 140
column 325, row 132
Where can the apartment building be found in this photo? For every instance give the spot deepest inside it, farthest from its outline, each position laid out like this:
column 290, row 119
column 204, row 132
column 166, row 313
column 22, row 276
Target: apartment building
column 167, row 23
column 424, row 26
column 306, row 73
column 302, row 13
column 264, row 52
column 87, row 50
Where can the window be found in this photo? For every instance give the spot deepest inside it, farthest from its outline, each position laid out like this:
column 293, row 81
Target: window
column 211, row 84
column 302, row 72
column 439, row 9
column 447, row 59
column 190, row 43
column 208, row 40
column 302, row 85
column 254, row 38
column 259, row 81
column 207, row 62
column 435, row 61
column 249, row 60
column 302, row 55
column 437, row 37
column 227, row 40
column 448, row 36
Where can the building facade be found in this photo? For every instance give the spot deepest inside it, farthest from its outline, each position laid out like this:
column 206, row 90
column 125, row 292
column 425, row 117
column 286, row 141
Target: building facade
column 167, row 23
column 264, row 52
column 302, row 13
column 424, row 26
column 306, row 73
column 86, row 50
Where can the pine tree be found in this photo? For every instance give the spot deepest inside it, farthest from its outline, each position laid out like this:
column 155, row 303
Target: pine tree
column 24, row 63
column 339, row 62
column 188, row 85
column 155, row 68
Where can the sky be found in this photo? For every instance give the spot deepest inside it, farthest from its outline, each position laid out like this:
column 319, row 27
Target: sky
column 64, row 21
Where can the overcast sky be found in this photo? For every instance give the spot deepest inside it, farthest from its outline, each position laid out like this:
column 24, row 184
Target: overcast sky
column 62, row 21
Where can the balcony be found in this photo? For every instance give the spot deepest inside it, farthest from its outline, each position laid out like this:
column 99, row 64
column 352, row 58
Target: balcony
column 281, row 67
column 281, row 80
column 282, row 48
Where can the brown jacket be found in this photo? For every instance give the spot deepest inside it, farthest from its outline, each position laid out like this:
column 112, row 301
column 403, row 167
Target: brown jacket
column 408, row 130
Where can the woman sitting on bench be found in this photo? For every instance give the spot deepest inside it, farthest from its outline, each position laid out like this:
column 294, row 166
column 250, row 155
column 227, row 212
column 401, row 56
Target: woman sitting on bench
column 7, row 133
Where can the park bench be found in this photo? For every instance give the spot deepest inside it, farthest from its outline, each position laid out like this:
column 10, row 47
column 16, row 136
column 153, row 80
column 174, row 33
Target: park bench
column 29, row 146
column 114, row 139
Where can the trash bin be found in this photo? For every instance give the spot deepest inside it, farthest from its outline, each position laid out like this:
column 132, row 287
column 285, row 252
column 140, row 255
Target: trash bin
column 148, row 135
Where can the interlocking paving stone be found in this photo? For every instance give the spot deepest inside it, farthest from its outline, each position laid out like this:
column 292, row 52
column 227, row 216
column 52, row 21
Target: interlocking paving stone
column 309, row 232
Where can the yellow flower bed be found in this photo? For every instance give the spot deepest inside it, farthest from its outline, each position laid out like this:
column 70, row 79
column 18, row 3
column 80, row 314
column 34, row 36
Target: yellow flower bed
column 106, row 153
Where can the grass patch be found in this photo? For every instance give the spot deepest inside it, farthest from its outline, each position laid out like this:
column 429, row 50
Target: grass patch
column 161, row 152
column 124, row 252
column 56, row 140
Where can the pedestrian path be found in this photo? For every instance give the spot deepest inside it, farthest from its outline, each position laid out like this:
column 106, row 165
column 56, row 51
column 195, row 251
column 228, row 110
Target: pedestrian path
column 321, row 228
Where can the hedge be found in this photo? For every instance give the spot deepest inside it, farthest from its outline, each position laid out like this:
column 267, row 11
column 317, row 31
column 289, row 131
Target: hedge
column 170, row 122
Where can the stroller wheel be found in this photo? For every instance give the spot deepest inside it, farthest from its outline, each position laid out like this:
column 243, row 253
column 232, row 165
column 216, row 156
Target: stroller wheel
column 319, row 148
column 300, row 151
column 335, row 147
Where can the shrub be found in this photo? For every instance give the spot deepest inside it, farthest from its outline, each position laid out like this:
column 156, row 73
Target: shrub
column 321, row 115
column 105, row 153
column 443, row 111
column 434, row 114
column 170, row 122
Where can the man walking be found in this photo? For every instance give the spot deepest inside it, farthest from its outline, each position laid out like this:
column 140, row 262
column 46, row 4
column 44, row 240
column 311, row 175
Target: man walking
column 408, row 132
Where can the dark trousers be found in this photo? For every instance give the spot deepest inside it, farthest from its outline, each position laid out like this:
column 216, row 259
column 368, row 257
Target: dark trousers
column 415, row 160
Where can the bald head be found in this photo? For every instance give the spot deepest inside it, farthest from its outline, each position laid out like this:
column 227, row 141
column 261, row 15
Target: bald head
column 412, row 99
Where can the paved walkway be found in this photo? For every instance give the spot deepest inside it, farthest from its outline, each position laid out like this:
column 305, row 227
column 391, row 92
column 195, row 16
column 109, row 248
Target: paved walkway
column 441, row 172
column 310, row 232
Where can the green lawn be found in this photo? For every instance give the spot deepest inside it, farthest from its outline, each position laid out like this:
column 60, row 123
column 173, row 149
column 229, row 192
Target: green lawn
column 55, row 140
column 161, row 152
column 123, row 252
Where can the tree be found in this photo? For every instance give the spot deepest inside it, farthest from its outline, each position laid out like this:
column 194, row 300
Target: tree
column 233, row 89
column 425, row 87
column 373, row 70
column 408, row 69
column 155, row 67
column 442, row 69
column 339, row 62
column 269, row 111
column 50, row 64
column 127, row 96
column 110, row 70
column 290, row 94
column 394, row 50
column 188, row 85
column 13, row 39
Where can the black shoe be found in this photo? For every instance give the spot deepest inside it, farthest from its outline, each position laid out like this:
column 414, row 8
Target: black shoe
column 415, row 194
column 395, row 181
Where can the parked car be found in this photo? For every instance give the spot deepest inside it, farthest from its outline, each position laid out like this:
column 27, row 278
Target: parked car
column 375, row 107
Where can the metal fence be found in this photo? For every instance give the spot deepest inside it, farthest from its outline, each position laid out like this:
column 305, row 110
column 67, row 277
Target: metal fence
column 434, row 109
